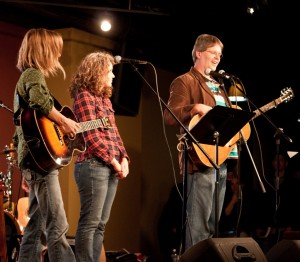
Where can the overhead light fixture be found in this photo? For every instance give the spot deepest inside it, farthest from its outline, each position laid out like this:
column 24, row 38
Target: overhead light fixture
column 105, row 25
column 252, row 6
column 235, row 95
column 256, row 6
column 250, row 10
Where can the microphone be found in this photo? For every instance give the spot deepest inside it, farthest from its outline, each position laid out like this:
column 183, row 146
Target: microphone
column 220, row 74
column 118, row 59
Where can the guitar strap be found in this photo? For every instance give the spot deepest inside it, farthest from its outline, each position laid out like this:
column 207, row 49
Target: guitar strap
column 16, row 117
column 21, row 105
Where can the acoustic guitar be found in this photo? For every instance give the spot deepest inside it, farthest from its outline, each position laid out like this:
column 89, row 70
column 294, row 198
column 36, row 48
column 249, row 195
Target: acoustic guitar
column 49, row 147
column 199, row 158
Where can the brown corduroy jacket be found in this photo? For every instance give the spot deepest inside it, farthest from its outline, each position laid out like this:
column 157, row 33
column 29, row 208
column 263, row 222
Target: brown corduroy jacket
column 185, row 91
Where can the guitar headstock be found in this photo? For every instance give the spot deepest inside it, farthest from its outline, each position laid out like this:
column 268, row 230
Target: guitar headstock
column 287, row 94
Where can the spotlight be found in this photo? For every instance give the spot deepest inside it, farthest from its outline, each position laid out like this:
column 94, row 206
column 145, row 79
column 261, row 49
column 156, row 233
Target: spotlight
column 250, row 10
column 105, row 25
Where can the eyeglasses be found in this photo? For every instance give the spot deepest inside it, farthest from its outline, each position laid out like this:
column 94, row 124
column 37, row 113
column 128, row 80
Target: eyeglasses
column 215, row 53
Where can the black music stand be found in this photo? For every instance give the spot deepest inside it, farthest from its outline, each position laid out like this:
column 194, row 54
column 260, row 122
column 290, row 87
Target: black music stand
column 226, row 121
column 217, row 127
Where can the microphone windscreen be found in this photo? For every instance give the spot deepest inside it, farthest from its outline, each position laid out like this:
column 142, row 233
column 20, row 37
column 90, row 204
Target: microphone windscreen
column 117, row 59
column 207, row 71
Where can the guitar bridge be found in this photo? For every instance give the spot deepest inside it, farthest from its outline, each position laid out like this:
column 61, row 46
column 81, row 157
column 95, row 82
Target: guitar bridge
column 60, row 138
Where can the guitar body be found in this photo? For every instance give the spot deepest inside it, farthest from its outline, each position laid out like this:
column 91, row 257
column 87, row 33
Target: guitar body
column 199, row 158
column 49, row 147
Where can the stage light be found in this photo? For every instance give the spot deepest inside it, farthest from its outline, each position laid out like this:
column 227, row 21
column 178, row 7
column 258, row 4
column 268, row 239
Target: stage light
column 105, row 25
column 250, row 10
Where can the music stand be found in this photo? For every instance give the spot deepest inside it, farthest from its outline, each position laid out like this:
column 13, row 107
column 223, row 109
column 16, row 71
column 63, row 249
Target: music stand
column 217, row 127
column 226, row 121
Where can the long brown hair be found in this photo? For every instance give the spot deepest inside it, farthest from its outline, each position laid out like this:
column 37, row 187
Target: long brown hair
column 41, row 49
column 91, row 74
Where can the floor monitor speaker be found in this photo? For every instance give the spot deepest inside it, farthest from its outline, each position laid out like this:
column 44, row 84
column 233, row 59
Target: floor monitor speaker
column 224, row 249
column 285, row 250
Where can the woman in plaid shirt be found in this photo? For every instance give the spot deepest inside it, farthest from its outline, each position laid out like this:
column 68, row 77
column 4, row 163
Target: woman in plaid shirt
column 105, row 160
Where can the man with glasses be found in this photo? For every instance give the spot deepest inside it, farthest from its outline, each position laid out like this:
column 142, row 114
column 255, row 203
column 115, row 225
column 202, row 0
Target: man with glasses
column 195, row 93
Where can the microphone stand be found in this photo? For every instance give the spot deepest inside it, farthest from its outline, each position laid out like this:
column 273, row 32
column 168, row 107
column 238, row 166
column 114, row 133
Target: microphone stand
column 6, row 107
column 279, row 131
column 239, row 147
column 277, row 184
column 277, row 142
column 183, row 138
column 241, row 135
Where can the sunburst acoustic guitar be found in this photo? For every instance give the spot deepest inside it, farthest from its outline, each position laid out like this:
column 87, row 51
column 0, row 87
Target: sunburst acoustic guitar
column 49, row 147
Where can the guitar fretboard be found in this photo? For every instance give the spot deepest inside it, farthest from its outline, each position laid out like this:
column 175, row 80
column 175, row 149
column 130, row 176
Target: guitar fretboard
column 285, row 98
column 92, row 124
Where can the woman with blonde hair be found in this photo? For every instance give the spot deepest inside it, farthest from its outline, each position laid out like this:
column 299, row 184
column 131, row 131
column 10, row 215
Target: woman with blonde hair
column 39, row 58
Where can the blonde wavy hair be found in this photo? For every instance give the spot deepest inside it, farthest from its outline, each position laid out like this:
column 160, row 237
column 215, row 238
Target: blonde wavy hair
column 91, row 74
column 41, row 49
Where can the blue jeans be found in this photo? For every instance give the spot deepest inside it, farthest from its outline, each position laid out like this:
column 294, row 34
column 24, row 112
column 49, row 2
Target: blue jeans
column 97, row 186
column 48, row 222
column 200, row 204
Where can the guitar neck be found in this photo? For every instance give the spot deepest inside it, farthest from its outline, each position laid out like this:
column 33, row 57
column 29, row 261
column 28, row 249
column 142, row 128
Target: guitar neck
column 267, row 107
column 93, row 124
